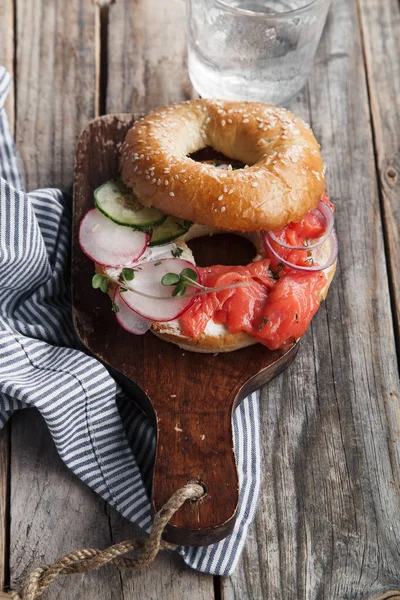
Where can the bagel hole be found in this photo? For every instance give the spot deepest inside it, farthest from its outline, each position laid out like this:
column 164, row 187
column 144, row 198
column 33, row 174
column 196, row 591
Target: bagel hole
column 208, row 153
column 222, row 249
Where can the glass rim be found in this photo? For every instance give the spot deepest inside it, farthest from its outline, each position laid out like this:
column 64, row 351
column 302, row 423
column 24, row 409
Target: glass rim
column 251, row 13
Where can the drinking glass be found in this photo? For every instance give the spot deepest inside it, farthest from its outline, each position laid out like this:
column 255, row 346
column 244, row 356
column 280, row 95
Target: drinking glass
column 253, row 49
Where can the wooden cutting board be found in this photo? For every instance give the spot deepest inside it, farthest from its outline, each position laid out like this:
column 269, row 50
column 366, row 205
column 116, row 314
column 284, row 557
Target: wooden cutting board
column 189, row 397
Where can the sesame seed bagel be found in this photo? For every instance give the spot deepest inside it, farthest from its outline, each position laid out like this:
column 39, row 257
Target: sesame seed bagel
column 283, row 178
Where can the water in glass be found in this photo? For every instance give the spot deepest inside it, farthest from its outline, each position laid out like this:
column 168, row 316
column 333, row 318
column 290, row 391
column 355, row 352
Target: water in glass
column 253, row 49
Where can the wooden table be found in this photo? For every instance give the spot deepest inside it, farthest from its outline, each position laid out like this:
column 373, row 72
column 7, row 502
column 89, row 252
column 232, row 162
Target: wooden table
column 328, row 523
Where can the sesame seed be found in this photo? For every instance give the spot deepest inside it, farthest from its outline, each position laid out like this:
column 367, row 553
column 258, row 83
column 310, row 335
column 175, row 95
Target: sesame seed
column 245, row 121
column 229, row 120
column 220, row 197
column 171, row 194
column 139, row 172
column 220, row 111
column 166, row 170
column 225, row 190
column 141, row 156
column 166, row 182
column 158, row 181
column 135, row 168
column 223, row 123
column 230, row 191
column 208, row 119
column 176, row 177
column 260, row 126
column 182, row 171
column 254, row 184
column 153, row 181
column 223, row 209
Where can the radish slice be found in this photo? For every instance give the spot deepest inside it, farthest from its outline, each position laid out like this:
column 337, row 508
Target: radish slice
column 128, row 318
column 110, row 244
column 163, row 306
column 330, row 245
column 327, row 213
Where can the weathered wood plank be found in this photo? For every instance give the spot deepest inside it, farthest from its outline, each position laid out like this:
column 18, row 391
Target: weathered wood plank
column 146, row 55
column 380, row 23
column 7, row 50
column 4, row 508
column 56, row 85
column 52, row 514
column 7, row 60
column 329, row 511
column 166, row 579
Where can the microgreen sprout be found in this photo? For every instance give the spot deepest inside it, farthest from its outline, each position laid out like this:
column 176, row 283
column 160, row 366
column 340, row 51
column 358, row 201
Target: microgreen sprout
column 114, row 307
column 127, row 274
column 100, row 281
column 186, row 277
column 189, row 277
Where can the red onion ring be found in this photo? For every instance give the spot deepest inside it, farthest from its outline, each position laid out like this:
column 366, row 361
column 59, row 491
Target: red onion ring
column 332, row 257
column 329, row 220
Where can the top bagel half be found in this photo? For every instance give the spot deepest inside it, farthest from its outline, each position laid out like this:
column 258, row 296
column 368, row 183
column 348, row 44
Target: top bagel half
column 283, row 178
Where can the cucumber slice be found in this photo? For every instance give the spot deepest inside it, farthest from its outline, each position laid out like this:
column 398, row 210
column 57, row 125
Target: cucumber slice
column 171, row 229
column 121, row 206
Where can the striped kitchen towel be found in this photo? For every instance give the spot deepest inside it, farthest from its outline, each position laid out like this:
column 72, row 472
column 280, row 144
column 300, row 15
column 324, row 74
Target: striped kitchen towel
column 98, row 432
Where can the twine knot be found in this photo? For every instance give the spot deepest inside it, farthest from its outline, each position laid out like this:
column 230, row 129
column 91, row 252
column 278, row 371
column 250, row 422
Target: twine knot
column 88, row 559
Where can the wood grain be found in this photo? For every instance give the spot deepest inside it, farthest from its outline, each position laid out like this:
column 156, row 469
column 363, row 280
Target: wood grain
column 4, row 504
column 53, row 514
column 327, row 525
column 7, row 60
column 56, row 85
column 380, row 23
column 167, row 579
column 146, row 55
column 7, row 52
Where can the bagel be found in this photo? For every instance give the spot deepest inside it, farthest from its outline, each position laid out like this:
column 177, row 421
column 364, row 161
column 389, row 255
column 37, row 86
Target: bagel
column 283, row 179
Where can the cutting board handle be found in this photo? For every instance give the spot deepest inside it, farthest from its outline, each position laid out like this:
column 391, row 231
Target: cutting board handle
column 196, row 446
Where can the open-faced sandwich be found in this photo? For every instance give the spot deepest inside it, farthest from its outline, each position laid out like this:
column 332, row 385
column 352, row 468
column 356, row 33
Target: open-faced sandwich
column 274, row 195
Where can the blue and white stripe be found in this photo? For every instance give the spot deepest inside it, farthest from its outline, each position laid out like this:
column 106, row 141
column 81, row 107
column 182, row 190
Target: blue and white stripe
column 99, row 433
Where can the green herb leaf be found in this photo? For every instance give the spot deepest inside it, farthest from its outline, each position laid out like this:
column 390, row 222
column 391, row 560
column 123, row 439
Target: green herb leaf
column 275, row 274
column 123, row 289
column 177, row 252
column 100, row 281
column 189, row 273
column 127, row 274
column 170, row 279
column 114, row 307
column 261, row 325
column 158, row 263
column 180, row 289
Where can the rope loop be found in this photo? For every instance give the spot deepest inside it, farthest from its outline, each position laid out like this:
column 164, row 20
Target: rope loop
column 88, row 559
